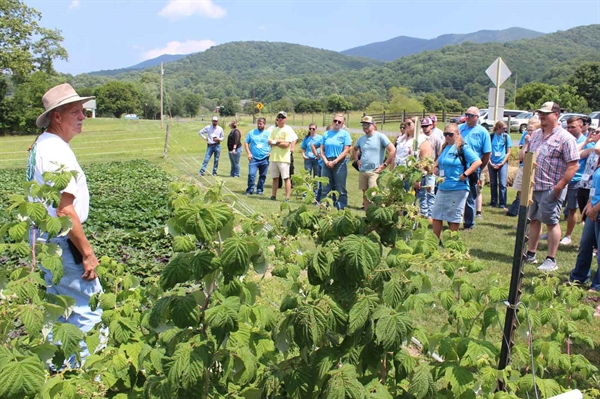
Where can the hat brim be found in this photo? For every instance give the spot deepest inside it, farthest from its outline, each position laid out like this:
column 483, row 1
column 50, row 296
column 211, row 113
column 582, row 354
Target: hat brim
column 43, row 120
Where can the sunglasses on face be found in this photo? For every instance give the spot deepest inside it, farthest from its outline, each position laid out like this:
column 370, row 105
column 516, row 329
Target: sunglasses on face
column 470, row 115
column 338, row 122
column 408, row 124
column 448, row 134
column 402, row 126
column 312, row 128
column 366, row 124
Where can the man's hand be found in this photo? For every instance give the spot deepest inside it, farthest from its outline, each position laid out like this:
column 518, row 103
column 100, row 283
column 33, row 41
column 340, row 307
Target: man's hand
column 593, row 214
column 249, row 157
column 557, row 191
column 89, row 265
column 417, row 185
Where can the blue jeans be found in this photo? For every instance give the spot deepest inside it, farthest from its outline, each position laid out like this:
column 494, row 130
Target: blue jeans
column 262, row 166
column 589, row 237
column 71, row 284
column 337, row 181
column 210, row 150
column 469, row 216
column 235, row 162
column 498, row 179
column 311, row 165
column 426, row 197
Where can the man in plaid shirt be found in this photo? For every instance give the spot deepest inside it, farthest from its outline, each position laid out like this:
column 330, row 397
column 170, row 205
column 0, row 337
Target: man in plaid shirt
column 557, row 162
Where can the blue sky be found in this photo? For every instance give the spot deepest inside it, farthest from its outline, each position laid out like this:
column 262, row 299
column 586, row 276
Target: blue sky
column 110, row 34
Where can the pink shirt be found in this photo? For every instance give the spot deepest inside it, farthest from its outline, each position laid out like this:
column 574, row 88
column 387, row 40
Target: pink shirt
column 553, row 152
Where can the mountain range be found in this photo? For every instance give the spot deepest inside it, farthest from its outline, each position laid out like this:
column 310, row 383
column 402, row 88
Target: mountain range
column 401, row 46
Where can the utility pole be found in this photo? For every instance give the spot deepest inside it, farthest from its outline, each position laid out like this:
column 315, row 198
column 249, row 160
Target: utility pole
column 161, row 94
column 515, row 97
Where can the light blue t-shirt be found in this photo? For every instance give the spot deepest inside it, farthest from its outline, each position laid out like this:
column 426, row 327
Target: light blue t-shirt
column 499, row 149
column 477, row 137
column 579, row 174
column 522, row 143
column 259, row 143
column 450, row 167
column 308, row 141
column 595, row 190
column 334, row 142
column 372, row 151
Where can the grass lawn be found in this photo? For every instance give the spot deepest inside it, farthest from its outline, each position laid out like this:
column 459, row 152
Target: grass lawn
column 104, row 140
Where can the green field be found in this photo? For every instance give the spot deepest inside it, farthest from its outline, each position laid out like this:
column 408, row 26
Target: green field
column 108, row 140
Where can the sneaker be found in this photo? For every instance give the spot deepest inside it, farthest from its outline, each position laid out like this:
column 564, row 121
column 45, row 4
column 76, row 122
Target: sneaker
column 566, row 240
column 273, row 198
column 544, row 236
column 249, row 193
column 259, row 193
column 531, row 259
column 287, row 200
column 548, row 265
column 479, row 216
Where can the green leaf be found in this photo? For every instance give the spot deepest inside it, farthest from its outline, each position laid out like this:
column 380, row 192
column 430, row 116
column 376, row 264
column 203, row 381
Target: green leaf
column 310, row 325
column 18, row 232
column 360, row 256
column 69, row 336
column 344, row 383
column 235, row 257
column 36, row 211
column 421, row 383
column 359, row 314
column 108, row 301
column 246, row 366
column 223, row 318
column 186, row 366
column 122, row 329
column 53, row 226
column 460, row 379
column 203, row 263
column 21, row 378
column 186, row 243
column 185, row 311
column 55, row 265
column 394, row 293
column 178, row 270
column 346, row 224
column 392, row 329
column 33, row 319
column 318, row 266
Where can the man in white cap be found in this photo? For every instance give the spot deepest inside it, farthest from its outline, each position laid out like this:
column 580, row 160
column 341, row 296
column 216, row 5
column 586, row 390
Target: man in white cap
column 282, row 138
column 557, row 161
column 51, row 152
column 214, row 135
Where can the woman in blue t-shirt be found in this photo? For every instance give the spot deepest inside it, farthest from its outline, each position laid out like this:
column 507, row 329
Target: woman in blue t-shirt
column 498, row 165
column 311, row 159
column 334, row 149
column 453, row 190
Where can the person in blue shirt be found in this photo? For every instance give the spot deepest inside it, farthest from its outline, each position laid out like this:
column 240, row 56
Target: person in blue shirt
column 258, row 151
column 334, row 149
column 369, row 155
column 454, row 189
column 311, row 160
column 590, row 235
column 478, row 138
column 532, row 126
column 498, row 165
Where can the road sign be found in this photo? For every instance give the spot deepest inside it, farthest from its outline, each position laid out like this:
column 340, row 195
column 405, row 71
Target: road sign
column 260, row 106
column 492, row 97
column 498, row 72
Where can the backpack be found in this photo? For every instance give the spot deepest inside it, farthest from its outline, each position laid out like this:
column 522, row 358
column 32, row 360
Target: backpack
column 505, row 141
column 473, row 178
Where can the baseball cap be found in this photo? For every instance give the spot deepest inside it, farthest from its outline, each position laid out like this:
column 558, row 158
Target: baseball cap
column 426, row 122
column 367, row 119
column 549, row 107
column 282, row 113
column 433, row 118
column 215, row 118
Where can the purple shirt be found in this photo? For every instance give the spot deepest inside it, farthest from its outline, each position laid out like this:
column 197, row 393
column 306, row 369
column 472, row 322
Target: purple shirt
column 553, row 152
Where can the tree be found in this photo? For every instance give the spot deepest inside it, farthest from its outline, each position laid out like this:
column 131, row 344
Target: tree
column 533, row 95
column 117, row 98
column 586, row 80
column 26, row 46
column 230, row 106
column 401, row 100
column 337, row 103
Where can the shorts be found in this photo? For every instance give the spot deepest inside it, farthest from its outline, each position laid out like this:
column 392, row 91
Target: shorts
column 280, row 169
column 366, row 180
column 571, row 202
column 518, row 181
column 546, row 207
column 449, row 205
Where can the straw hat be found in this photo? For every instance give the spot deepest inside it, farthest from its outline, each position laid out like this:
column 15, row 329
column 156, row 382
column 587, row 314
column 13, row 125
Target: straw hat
column 54, row 98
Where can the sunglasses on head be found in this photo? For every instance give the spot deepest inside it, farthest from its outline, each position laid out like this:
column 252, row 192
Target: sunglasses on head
column 337, row 121
column 448, row 134
column 470, row 115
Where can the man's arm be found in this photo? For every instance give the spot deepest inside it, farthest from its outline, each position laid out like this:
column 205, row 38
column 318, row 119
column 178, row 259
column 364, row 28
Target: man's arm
column 202, row 133
column 77, row 236
column 485, row 158
column 247, row 148
column 569, row 173
column 391, row 149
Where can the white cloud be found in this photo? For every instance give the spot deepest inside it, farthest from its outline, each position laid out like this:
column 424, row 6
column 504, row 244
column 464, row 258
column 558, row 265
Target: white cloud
column 74, row 4
column 179, row 9
column 187, row 47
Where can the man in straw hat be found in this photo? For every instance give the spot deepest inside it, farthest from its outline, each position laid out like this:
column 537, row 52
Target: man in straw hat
column 63, row 120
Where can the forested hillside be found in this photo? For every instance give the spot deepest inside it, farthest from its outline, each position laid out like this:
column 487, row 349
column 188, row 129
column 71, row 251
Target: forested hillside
column 401, row 46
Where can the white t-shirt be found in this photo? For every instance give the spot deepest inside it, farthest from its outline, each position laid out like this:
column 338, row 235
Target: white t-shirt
column 404, row 148
column 50, row 153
